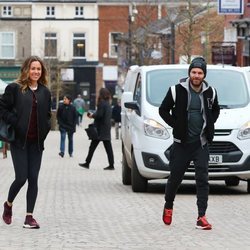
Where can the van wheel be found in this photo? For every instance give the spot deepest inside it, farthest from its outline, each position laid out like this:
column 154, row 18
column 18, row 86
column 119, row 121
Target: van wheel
column 248, row 186
column 139, row 183
column 126, row 171
column 232, row 181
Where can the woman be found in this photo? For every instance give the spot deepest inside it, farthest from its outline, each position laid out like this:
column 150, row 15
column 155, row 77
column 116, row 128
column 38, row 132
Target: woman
column 26, row 105
column 102, row 121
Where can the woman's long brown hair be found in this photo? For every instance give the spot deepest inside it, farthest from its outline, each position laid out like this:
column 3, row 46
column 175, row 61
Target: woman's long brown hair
column 24, row 79
column 104, row 94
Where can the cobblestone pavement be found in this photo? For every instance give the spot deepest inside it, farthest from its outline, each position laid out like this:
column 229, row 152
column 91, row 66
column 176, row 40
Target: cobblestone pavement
column 91, row 209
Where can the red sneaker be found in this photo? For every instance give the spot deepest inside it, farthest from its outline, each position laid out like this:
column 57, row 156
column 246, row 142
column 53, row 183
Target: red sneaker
column 30, row 222
column 7, row 213
column 203, row 224
column 167, row 216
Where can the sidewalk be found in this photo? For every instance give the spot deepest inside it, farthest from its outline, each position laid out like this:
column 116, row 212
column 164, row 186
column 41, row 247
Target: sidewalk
column 90, row 209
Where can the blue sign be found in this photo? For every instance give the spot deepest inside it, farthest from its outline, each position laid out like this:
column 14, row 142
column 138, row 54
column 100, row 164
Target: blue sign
column 231, row 7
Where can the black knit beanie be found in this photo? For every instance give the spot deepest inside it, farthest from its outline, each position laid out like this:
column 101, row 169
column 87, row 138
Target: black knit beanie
column 198, row 62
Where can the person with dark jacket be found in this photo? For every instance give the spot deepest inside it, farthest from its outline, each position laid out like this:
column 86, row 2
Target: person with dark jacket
column 191, row 112
column 26, row 105
column 102, row 120
column 116, row 115
column 67, row 120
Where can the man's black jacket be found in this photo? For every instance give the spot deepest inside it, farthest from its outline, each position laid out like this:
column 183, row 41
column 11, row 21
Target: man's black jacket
column 175, row 112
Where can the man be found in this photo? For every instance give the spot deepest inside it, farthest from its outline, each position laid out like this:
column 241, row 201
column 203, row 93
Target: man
column 191, row 112
column 79, row 104
column 116, row 115
column 67, row 119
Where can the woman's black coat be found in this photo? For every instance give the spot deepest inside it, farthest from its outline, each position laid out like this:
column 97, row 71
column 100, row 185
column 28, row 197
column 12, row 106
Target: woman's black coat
column 16, row 107
column 102, row 121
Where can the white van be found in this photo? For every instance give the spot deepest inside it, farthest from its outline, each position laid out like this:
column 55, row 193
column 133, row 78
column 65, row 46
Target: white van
column 146, row 138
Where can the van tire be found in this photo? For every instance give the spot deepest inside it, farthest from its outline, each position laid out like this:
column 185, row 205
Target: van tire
column 139, row 183
column 232, row 181
column 126, row 171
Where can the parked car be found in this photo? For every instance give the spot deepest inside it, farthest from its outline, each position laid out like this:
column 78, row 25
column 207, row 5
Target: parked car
column 146, row 138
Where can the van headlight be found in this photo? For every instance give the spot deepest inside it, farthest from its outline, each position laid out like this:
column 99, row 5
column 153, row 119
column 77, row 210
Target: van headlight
column 244, row 132
column 154, row 129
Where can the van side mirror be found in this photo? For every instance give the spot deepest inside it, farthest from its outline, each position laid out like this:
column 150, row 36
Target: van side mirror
column 134, row 106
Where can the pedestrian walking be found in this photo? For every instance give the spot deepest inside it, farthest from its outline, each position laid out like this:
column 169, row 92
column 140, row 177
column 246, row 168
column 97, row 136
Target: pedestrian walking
column 26, row 105
column 191, row 112
column 116, row 115
column 79, row 104
column 5, row 147
column 102, row 121
column 67, row 120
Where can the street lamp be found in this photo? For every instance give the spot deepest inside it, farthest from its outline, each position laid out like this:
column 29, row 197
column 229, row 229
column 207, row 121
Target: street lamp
column 132, row 13
column 172, row 17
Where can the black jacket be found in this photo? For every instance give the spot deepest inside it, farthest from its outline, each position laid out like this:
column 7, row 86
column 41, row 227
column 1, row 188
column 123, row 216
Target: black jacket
column 116, row 113
column 67, row 117
column 175, row 113
column 102, row 118
column 16, row 107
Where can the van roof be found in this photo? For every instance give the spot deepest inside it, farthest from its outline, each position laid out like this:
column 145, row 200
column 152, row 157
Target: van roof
column 182, row 66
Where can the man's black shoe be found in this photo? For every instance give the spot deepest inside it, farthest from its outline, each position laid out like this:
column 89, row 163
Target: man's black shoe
column 84, row 165
column 61, row 154
column 109, row 168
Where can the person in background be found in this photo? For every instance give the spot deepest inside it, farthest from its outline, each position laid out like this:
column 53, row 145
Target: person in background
column 79, row 104
column 191, row 114
column 67, row 119
column 102, row 120
column 26, row 105
column 116, row 115
column 5, row 146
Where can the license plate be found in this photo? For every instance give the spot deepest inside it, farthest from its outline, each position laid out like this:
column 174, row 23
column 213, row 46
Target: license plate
column 215, row 159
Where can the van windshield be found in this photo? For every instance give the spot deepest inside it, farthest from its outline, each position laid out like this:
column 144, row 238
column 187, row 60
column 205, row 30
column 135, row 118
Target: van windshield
column 230, row 85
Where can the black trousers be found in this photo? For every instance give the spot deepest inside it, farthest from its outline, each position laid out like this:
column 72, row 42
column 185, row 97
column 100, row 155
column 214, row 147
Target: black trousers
column 108, row 148
column 27, row 162
column 180, row 157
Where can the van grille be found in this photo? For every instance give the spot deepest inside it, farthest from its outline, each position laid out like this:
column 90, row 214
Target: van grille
column 222, row 132
column 222, row 147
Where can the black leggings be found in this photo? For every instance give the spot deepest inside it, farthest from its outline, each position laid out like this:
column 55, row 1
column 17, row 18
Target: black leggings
column 108, row 148
column 27, row 162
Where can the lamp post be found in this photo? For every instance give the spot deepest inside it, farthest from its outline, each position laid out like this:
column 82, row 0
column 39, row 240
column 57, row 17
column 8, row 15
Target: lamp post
column 132, row 13
column 172, row 17
column 172, row 42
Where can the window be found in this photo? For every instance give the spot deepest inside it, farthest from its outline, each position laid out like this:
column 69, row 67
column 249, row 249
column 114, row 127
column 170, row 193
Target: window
column 79, row 11
column 79, row 45
column 7, row 46
column 50, row 46
column 50, row 11
column 113, row 44
column 6, row 11
column 137, row 91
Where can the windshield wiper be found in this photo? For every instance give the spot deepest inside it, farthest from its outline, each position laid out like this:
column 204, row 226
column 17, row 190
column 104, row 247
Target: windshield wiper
column 223, row 106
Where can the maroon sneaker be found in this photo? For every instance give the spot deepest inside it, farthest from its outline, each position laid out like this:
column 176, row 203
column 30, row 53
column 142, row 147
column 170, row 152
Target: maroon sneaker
column 203, row 224
column 7, row 213
column 167, row 216
column 30, row 222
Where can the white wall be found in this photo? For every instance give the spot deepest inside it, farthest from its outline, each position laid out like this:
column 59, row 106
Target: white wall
column 65, row 27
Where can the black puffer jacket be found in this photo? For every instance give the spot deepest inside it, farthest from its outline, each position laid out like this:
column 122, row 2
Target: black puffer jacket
column 102, row 121
column 175, row 113
column 16, row 107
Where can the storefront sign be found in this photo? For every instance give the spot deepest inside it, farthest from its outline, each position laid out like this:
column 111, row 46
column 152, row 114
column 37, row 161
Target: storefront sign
column 230, row 7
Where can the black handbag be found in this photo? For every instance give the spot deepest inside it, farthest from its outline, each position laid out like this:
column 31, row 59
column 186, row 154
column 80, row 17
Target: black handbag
column 92, row 132
column 7, row 133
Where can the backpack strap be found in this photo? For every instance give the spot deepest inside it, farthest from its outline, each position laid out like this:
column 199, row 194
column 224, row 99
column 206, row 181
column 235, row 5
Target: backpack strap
column 173, row 92
column 213, row 93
